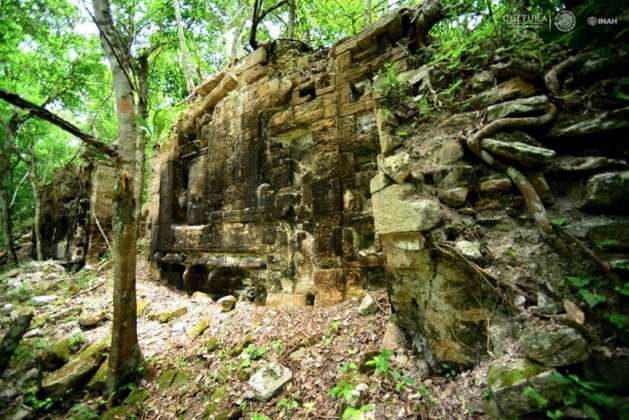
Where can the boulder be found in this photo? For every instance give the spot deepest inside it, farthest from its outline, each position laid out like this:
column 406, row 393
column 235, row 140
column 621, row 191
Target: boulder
column 512, row 88
column 268, row 381
column 393, row 338
column 470, row 250
column 56, row 355
column 454, row 197
column 585, row 164
column 395, row 210
column 164, row 317
column 367, row 306
column 396, row 166
column 98, row 382
column 199, row 328
column 518, row 108
column 522, row 153
column 514, row 384
column 608, row 192
column 495, row 185
column 76, row 371
column 92, row 319
column 227, row 303
column 617, row 119
column 200, row 297
column 379, row 182
column 561, row 346
column 43, row 300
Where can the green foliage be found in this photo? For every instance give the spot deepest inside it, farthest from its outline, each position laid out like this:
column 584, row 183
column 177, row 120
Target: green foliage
column 344, row 390
column 288, row 406
column 392, row 91
column 381, row 362
column 83, row 411
column 591, row 299
column 347, row 366
column 278, row 346
column 32, row 400
column 560, row 221
column 351, row 413
column 592, row 397
column 402, row 381
column 619, row 320
column 256, row 352
column 623, row 290
column 578, row 282
column 257, row 416
column 534, row 395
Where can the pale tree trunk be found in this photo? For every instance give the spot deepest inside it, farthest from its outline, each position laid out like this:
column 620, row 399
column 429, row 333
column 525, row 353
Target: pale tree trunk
column 367, row 13
column 125, row 356
column 32, row 176
column 183, row 49
column 143, row 114
column 291, row 19
column 233, row 49
column 6, row 170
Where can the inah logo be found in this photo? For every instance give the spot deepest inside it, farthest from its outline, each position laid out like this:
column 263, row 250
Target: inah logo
column 565, row 21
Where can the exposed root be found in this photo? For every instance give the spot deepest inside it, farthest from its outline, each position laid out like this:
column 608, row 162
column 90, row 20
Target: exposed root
column 531, row 197
column 552, row 78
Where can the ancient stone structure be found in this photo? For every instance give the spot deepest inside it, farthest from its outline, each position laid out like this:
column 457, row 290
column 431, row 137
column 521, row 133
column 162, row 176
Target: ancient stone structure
column 264, row 180
column 293, row 178
column 70, row 210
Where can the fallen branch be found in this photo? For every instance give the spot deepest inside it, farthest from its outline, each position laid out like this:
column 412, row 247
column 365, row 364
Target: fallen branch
column 46, row 115
column 12, row 339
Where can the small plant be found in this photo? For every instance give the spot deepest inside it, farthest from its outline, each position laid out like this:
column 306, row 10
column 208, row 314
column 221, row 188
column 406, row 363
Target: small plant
column 278, row 346
column 31, row 399
column 402, row 381
column 381, row 362
column 258, row 416
column 288, row 406
column 351, row 413
column 425, row 393
column 345, row 390
column 346, row 367
column 592, row 299
column 333, row 330
column 256, row 352
column 534, row 395
column 560, row 221
column 181, row 361
column 619, row 320
column 75, row 341
column 83, row 411
column 392, row 90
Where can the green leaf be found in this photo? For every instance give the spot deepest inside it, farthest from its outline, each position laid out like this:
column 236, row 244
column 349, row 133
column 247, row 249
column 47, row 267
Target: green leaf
column 560, row 221
column 590, row 412
column 624, row 290
column 578, row 282
column 591, row 299
column 534, row 395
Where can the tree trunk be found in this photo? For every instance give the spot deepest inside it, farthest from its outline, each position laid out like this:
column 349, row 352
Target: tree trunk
column 124, row 357
column 32, row 175
column 291, row 19
column 12, row 339
column 6, row 170
column 143, row 115
column 183, row 49
column 367, row 13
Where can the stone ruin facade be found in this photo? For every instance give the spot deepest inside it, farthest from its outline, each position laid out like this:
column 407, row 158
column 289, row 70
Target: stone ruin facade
column 289, row 181
column 264, row 181
column 73, row 205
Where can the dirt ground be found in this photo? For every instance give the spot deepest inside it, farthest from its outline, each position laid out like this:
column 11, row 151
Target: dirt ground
column 327, row 349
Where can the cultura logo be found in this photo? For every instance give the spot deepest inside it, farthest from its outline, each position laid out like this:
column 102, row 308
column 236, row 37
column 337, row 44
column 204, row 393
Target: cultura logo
column 565, row 21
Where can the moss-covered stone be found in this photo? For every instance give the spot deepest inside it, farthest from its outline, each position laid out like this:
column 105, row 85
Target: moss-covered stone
column 166, row 379
column 56, row 355
column 136, row 397
column 141, row 306
column 165, row 317
column 239, row 347
column 212, row 344
column 507, row 373
column 76, row 371
column 199, row 328
column 98, row 382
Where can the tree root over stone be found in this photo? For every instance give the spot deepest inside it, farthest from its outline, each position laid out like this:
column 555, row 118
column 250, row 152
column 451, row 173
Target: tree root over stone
column 531, row 197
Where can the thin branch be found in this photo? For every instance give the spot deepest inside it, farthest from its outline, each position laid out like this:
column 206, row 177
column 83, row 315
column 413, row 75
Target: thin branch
column 17, row 188
column 46, row 115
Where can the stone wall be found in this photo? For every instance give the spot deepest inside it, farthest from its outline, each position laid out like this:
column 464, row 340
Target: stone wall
column 268, row 172
column 69, row 206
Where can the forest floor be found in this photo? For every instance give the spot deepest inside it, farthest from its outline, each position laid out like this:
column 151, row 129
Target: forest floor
column 197, row 365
